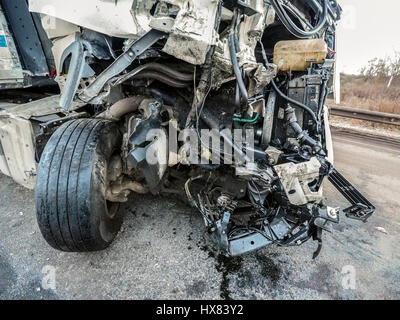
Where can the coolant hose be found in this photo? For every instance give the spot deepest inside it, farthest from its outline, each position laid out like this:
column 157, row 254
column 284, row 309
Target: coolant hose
column 235, row 65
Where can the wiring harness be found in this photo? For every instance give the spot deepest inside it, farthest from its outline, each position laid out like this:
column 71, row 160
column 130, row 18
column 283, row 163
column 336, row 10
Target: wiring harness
column 283, row 15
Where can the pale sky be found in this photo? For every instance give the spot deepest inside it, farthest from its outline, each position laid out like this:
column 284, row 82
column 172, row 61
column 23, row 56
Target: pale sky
column 369, row 29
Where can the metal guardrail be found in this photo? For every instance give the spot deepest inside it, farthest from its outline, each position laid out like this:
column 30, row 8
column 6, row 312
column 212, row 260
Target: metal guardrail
column 379, row 117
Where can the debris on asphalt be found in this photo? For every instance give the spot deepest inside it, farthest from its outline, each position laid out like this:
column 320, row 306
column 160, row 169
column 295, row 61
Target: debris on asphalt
column 380, row 229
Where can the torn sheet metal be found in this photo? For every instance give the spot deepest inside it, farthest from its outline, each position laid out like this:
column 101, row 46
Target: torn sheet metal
column 191, row 35
column 250, row 32
column 17, row 146
column 38, row 108
column 261, row 77
column 59, row 46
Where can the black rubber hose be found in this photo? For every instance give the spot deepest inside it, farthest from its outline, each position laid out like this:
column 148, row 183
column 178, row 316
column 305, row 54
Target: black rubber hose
column 235, row 65
column 297, row 103
column 293, row 28
column 317, row 28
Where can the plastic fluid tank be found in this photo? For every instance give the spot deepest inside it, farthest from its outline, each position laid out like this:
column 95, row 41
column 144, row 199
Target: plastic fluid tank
column 297, row 55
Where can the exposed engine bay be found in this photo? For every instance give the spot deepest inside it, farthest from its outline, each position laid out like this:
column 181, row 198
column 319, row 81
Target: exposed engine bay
column 220, row 102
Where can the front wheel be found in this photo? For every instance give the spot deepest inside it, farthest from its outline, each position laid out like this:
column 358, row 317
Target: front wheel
column 72, row 211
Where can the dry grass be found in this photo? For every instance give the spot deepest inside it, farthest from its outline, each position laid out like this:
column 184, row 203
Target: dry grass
column 370, row 94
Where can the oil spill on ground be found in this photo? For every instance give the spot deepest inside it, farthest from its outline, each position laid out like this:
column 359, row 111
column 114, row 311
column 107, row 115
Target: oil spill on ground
column 227, row 266
column 205, row 248
column 269, row 269
column 224, row 265
column 197, row 289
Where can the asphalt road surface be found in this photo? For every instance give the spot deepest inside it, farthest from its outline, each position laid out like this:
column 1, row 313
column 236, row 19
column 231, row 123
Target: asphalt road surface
column 161, row 252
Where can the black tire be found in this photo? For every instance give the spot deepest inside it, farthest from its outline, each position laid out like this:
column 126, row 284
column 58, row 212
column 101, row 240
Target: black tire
column 72, row 211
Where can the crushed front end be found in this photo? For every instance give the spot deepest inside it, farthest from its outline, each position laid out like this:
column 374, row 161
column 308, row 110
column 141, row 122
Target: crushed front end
column 220, row 101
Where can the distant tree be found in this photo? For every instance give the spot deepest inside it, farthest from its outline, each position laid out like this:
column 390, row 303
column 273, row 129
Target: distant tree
column 383, row 69
column 396, row 66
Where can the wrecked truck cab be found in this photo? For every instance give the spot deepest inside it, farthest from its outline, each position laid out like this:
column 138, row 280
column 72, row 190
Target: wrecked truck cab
column 221, row 102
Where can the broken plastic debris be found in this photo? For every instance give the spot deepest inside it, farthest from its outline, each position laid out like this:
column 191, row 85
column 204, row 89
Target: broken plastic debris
column 380, row 229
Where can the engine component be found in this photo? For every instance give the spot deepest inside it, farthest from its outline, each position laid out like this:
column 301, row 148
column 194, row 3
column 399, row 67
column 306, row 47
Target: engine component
column 148, row 145
column 121, row 108
column 297, row 180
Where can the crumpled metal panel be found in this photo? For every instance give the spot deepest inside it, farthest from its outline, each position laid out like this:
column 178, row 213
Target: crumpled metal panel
column 250, row 30
column 35, row 108
column 193, row 32
column 17, row 146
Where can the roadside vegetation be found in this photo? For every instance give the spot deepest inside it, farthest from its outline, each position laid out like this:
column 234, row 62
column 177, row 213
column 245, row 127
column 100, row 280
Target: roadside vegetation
column 376, row 88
